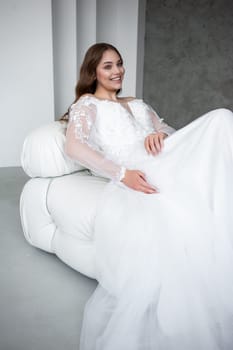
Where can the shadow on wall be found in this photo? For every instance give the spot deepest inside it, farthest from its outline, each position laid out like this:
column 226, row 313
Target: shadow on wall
column 188, row 67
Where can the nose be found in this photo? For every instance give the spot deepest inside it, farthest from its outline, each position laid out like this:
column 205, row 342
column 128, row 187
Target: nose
column 116, row 69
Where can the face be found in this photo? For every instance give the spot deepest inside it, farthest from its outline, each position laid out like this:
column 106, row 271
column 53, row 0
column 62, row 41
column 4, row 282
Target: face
column 110, row 72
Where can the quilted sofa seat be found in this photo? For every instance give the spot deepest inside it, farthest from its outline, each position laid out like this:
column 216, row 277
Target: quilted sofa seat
column 58, row 211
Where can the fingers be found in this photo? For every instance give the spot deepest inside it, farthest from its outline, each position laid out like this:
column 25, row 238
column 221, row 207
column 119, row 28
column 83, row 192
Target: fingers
column 141, row 174
column 146, row 190
column 154, row 143
column 146, row 144
column 161, row 140
column 143, row 181
column 145, row 187
column 136, row 180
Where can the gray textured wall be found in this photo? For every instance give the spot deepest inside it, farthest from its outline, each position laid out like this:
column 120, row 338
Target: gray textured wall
column 188, row 67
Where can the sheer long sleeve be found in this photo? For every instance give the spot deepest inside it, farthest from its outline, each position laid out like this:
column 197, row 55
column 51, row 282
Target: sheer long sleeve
column 79, row 147
column 158, row 123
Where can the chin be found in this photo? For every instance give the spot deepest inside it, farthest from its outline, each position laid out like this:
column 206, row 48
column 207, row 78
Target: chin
column 117, row 86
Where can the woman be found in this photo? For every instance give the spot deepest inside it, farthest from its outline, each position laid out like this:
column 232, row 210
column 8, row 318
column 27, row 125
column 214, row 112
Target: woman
column 163, row 229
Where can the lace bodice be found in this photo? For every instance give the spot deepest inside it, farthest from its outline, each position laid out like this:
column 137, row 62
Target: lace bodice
column 101, row 133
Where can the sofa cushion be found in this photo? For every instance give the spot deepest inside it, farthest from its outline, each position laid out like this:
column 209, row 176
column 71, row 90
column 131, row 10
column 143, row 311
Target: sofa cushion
column 72, row 202
column 43, row 152
column 57, row 215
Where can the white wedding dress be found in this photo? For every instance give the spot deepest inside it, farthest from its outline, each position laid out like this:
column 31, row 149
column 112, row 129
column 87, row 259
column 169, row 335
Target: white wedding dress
column 164, row 261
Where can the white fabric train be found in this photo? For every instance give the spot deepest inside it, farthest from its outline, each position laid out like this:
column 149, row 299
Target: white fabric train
column 165, row 261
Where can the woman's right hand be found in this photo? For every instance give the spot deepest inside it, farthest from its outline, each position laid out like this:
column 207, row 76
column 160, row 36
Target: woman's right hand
column 136, row 180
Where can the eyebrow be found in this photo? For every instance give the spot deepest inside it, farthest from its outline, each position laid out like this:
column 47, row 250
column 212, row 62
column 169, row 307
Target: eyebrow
column 111, row 61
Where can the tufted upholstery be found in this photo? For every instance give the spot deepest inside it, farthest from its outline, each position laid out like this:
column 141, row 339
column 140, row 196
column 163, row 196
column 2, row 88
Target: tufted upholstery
column 43, row 152
column 57, row 211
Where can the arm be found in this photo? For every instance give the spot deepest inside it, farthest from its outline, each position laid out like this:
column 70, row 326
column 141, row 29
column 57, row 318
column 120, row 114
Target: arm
column 154, row 141
column 158, row 123
column 79, row 147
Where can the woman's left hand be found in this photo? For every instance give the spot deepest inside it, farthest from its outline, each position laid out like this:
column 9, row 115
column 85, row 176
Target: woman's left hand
column 154, row 142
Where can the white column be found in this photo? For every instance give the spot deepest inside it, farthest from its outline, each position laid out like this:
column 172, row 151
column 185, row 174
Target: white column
column 64, row 53
column 86, row 27
column 26, row 71
column 74, row 30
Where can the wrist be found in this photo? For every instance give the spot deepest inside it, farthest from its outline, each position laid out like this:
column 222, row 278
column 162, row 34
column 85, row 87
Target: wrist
column 122, row 173
column 164, row 135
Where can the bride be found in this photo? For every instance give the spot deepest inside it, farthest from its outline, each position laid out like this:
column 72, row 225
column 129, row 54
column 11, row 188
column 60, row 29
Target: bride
column 163, row 232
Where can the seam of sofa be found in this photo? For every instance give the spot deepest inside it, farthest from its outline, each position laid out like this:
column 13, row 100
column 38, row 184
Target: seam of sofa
column 22, row 219
column 46, row 195
column 49, row 213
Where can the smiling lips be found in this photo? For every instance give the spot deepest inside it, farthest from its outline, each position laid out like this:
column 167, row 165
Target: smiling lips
column 116, row 79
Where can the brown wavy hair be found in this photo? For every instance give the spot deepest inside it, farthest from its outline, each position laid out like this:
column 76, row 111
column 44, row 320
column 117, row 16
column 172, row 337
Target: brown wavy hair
column 87, row 78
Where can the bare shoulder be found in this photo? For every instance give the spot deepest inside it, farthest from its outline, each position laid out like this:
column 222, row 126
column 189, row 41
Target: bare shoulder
column 126, row 99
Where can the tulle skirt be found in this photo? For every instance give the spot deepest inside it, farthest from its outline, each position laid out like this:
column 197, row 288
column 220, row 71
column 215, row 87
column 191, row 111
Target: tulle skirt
column 164, row 261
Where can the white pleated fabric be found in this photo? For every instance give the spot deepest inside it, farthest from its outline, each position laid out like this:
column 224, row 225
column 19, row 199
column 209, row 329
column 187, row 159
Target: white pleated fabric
column 165, row 261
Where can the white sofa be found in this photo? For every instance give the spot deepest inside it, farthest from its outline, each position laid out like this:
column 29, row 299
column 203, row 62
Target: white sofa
column 58, row 204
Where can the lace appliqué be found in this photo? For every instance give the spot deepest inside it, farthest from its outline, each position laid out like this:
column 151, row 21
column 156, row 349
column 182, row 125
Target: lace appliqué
column 102, row 136
column 82, row 124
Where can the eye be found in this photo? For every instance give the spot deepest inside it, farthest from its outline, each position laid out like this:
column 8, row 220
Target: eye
column 120, row 64
column 108, row 66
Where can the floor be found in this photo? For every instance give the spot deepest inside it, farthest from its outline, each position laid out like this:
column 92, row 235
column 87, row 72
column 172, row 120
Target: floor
column 41, row 298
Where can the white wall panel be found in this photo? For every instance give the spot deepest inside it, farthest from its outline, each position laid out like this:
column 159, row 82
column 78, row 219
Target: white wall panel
column 42, row 46
column 26, row 71
column 64, row 53
column 86, row 27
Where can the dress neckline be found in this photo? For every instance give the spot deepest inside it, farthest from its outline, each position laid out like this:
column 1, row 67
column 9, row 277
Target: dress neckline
column 108, row 100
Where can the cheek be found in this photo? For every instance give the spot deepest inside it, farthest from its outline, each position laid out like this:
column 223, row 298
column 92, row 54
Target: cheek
column 102, row 75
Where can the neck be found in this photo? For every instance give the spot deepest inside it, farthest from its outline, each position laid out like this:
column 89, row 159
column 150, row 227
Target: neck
column 103, row 94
